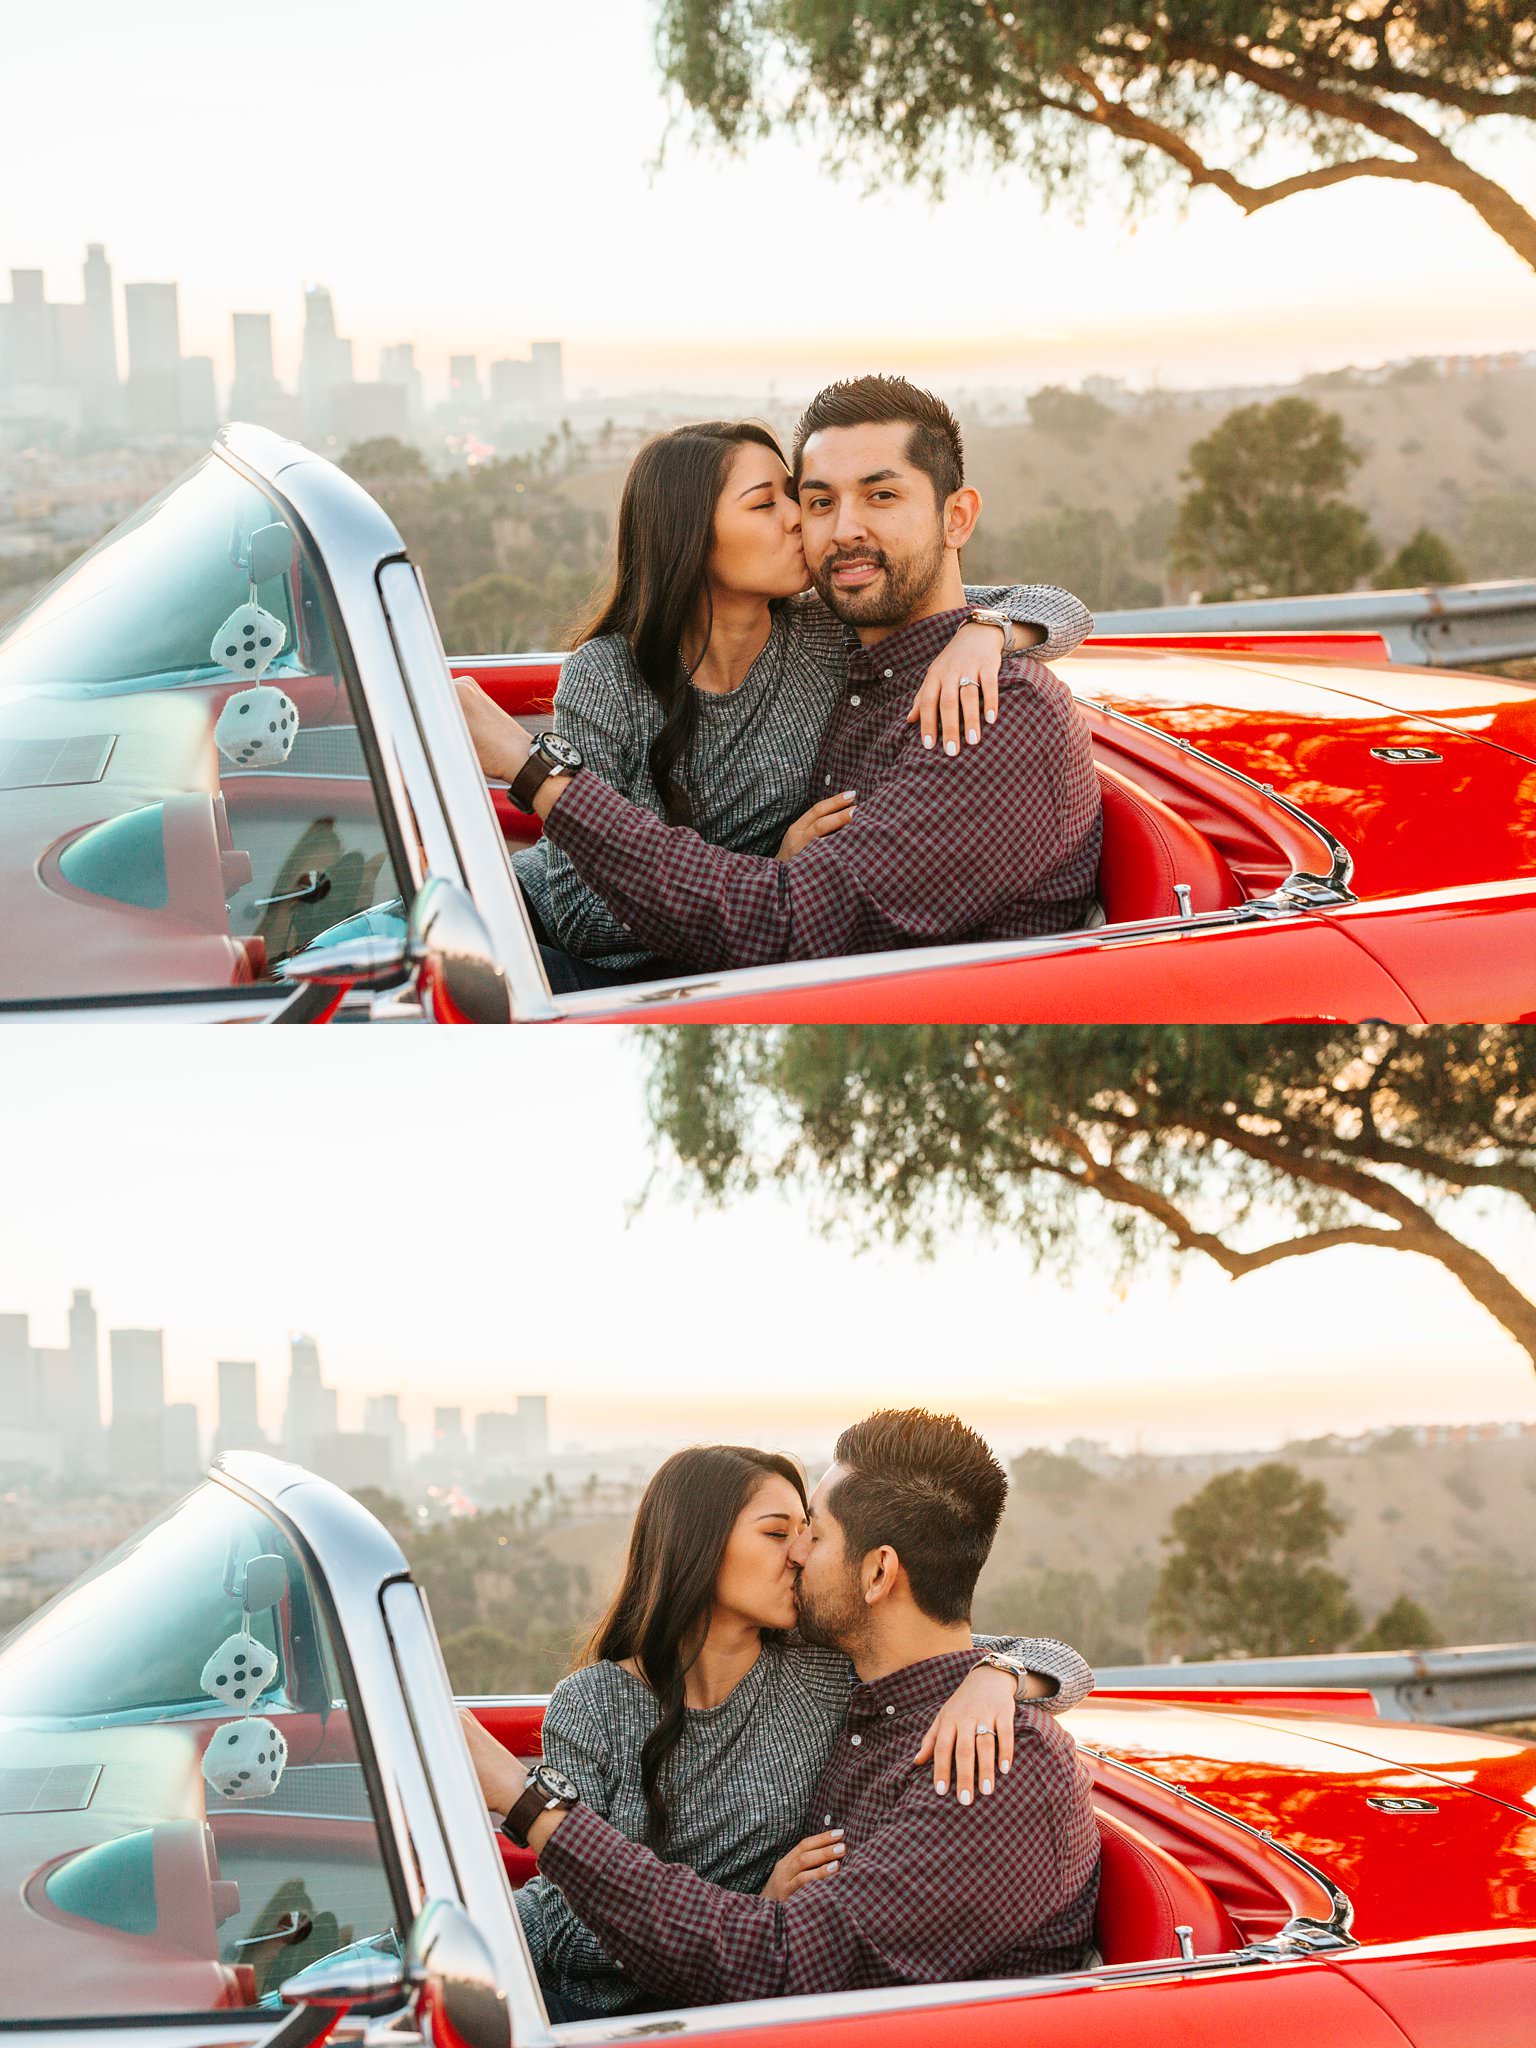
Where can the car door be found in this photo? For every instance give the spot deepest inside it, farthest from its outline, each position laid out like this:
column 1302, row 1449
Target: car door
column 230, row 1763
column 229, row 752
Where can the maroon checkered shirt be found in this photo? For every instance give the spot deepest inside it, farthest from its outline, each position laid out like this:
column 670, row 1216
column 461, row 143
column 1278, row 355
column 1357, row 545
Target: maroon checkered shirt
column 1000, row 842
column 929, row 1892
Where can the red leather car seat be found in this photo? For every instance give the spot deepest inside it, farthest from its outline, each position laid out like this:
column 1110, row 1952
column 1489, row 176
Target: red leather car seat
column 1144, row 1894
column 1148, row 847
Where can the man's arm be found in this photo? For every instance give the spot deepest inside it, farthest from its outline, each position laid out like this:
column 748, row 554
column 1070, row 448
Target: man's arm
column 926, row 857
column 933, row 1896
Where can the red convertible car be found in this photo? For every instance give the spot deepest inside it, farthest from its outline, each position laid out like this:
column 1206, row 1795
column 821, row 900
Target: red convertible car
column 236, row 781
column 1271, row 1873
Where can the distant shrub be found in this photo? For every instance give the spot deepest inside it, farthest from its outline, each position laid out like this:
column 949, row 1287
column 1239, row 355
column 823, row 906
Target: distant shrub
column 1071, row 415
column 1402, row 1626
column 1462, row 1486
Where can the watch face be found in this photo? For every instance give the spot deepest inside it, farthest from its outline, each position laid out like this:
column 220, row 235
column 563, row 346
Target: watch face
column 555, row 1783
column 564, row 756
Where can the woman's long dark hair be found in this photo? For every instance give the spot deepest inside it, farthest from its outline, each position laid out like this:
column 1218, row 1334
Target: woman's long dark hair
column 660, row 1614
column 661, row 573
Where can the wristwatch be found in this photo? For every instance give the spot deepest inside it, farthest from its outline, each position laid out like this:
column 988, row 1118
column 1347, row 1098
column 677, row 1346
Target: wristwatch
column 546, row 1789
column 983, row 615
column 1018, row 1672
column 549, row 755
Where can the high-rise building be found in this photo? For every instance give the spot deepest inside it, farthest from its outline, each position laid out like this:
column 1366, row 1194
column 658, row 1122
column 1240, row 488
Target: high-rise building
column 138, row 1403
column 548, row 362
column 101, row 326
column 154, row 327
column 239, row 1428
column 16, row 1398
column 367, row 412
column 254, row 370
column 513, row 384
column 85, row 1349
column 326, row 361
column 498, row 1439
column 381, row 1418
column 311, row 1411
column 533, row 1420
column 154, row 359
column 448, row 1439
column 29, row 353
column 464, row 390
column 397, row 366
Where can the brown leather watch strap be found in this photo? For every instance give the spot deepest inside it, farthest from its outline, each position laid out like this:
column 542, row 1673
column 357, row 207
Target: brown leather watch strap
column 529, row 779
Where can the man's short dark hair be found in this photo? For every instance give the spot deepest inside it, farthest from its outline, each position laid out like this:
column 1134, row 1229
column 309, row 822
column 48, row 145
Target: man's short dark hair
column 932, row 1490
column 934, row 445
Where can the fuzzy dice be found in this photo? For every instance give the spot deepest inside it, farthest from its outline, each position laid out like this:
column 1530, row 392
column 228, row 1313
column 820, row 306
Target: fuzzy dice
column 257, row 728
column 248, row 642
column 238, row 1671
column 245, row 1758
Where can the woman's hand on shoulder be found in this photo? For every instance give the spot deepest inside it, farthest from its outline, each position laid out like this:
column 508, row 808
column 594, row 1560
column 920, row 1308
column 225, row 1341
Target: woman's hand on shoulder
column 970, row 1738
column 830, row 815
column 816, row 1856
column 960, row 686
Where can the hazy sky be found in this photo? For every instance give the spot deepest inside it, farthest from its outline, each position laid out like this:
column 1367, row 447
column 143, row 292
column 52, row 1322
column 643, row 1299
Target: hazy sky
column 451, row 1214
column 476, row 176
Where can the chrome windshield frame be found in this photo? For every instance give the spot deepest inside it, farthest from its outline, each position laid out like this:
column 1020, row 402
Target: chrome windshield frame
column 428, row 782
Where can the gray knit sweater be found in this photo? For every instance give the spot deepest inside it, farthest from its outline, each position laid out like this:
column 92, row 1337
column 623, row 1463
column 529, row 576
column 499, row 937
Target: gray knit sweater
column 748, row 774
column 738, row 1785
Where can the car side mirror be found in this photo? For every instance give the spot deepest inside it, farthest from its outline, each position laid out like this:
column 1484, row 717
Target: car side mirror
column 445, row 941
column 271, row 552
column 446, row 1966
column 460, row 2003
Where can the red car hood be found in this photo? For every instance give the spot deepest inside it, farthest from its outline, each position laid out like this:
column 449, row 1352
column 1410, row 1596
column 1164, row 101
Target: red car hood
column 1308, row 1779
column 1312, row 730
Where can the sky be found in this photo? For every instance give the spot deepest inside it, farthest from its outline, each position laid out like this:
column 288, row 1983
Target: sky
column 475, row 177
column 454, row 1217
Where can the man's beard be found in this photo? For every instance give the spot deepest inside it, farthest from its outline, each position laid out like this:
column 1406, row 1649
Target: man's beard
column 837, row 1620
column 891, row 600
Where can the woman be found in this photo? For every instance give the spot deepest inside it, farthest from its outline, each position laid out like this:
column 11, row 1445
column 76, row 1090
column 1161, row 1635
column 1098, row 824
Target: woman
column 702, row 682
column 698, row 1724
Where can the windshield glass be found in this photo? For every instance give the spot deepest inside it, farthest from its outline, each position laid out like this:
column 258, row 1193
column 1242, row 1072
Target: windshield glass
column 184, row 798
column 184, row 1821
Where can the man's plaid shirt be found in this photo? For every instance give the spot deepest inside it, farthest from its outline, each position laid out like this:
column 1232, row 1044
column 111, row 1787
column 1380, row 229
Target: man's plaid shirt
column 1000, row 842
column 929, row 1891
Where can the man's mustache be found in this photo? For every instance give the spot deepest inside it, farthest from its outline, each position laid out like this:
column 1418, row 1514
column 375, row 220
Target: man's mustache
column 844, row 561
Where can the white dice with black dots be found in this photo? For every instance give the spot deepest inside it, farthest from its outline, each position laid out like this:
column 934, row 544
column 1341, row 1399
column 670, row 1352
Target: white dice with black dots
column 248, row 642
column 238, row 1672
column 257, row 728
column 245, row 1759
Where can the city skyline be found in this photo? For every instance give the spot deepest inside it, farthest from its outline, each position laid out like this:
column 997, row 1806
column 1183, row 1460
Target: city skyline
column 53, row 1418
column 437, row 1256
column 61, row 367
column 445, row 183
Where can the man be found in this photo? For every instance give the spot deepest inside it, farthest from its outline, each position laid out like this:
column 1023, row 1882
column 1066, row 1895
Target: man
column 925, row 1892
column 1002, row 842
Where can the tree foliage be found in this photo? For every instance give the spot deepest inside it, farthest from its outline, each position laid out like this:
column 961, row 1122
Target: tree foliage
column 1266, row 517
column 1255, row 100
column 1402, row 1626
column 1424, row 559
column 1248, row 1146
column 1081, row 547
column 1246, row 1573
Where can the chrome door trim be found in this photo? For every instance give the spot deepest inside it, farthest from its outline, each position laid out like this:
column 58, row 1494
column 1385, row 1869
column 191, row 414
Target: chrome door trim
column 1299, row 1936
column 482, row 1876
column 466, row 801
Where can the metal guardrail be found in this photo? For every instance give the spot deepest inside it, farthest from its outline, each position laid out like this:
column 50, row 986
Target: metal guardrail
column 1454, row 1688
column 1455, row 625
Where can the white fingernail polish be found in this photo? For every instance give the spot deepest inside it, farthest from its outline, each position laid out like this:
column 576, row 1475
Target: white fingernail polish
column 927, row 739
column 940, row 1786
column 986, row 1784
column 991, row 718
column 1002, row 1770
column 951, row 747
column 973, row 736
column 965, row 1798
